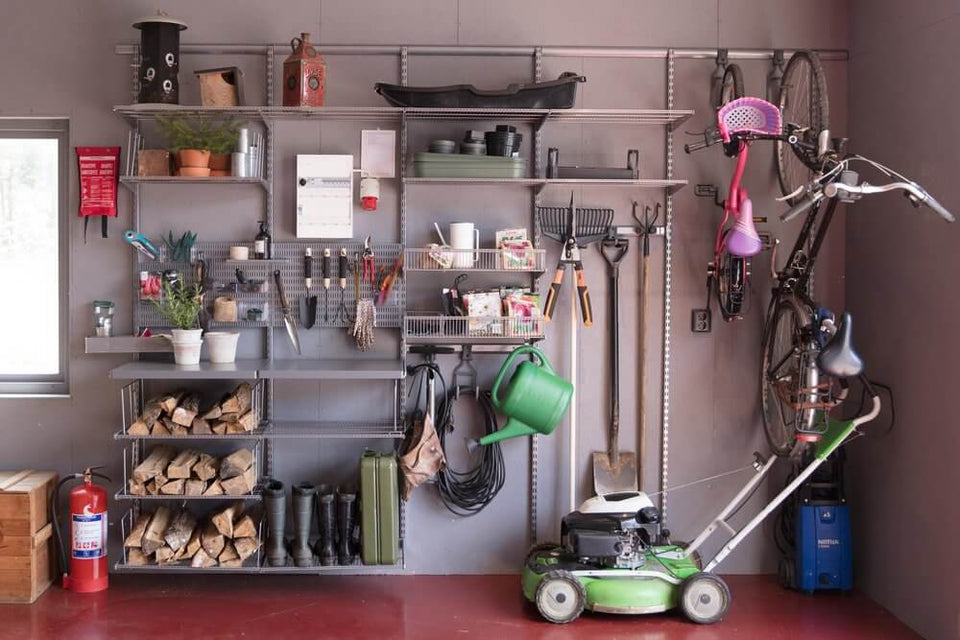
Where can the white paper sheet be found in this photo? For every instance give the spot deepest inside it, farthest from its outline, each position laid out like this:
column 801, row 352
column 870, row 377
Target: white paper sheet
column 377, row 153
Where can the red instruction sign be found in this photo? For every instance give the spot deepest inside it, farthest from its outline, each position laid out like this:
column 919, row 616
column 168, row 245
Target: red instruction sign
column 99, row 174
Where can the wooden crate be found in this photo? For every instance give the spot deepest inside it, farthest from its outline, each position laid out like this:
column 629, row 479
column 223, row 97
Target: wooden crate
column 27, row 562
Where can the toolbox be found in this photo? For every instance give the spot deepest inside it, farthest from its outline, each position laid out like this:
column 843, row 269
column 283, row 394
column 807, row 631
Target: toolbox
column 380, row 508
column 27, row 562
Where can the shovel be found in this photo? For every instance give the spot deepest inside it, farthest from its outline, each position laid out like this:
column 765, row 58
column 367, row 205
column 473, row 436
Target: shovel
column 614, row 471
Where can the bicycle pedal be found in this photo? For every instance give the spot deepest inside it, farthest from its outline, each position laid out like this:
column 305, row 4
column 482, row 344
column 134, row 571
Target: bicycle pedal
column 700, row 321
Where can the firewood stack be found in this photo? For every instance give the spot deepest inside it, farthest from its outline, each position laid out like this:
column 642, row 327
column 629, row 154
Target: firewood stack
column 227, row 538
column 166, row 471
column 178, row 414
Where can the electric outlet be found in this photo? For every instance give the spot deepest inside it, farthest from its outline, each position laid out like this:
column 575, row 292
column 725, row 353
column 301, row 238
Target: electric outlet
column 700, row 321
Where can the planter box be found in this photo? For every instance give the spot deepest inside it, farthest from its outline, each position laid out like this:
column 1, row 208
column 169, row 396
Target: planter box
column 27, row 563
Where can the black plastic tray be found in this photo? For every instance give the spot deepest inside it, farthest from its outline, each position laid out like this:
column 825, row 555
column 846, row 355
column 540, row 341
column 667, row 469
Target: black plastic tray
column 554, row 94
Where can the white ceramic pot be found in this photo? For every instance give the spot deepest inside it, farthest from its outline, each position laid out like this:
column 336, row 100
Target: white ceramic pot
column 186, row 345
column 222, row 346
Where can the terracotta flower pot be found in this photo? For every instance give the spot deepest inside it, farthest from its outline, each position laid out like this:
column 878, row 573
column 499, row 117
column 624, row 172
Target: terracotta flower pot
column 215, row 173
column 195, row 158
column 195, row 172
column 220, row 162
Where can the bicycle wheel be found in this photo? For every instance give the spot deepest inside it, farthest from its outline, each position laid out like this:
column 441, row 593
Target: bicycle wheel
column 786, row 369
column 730, row 285
column 731, row 87
column 804, row 104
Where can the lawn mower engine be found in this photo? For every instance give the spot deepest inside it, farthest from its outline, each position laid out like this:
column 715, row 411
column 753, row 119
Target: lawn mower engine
column 613, row 531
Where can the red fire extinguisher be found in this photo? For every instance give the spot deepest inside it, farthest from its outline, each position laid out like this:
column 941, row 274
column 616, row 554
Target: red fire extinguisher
column 86, row 572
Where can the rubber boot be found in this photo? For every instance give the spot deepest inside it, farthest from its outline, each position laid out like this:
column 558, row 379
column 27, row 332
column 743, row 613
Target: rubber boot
column 304, row 495
column 346, row 521
column 327, row 524
column 276, row 508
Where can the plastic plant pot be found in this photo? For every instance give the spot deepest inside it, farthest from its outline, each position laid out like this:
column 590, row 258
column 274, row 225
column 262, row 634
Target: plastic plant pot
column 222, row 346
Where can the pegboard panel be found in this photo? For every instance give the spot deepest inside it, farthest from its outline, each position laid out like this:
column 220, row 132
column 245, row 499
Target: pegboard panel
column 288, row 259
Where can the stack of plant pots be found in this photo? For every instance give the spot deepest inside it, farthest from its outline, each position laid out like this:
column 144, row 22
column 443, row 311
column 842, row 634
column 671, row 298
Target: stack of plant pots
column 194, row 163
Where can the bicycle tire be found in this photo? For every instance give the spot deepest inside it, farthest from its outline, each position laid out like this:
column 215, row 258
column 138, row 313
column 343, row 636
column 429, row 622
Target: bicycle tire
column 730, row 285
column 731, row 87
column 803, row 101
column 780, row 340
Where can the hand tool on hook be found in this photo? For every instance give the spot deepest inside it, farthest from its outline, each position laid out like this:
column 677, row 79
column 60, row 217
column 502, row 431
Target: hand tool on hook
column 342, row 268
column 325, row 281
column 646, row 228
column 287, row 316
column 614, row 471
column 369, row 262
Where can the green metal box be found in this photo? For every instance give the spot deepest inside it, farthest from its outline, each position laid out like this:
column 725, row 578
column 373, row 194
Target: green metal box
column 380, row 508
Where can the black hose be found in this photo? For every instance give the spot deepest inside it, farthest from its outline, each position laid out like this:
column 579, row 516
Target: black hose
column 54, row 508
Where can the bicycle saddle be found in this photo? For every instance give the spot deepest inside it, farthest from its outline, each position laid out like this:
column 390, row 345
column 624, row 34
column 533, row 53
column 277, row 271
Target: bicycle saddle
column 743, row 239
column 838, row 358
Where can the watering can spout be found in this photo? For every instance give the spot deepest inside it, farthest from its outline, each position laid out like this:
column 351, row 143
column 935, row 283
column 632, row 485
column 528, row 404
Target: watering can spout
column 513, row 429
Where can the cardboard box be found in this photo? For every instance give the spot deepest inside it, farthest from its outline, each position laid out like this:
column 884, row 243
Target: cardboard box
column 27, row 563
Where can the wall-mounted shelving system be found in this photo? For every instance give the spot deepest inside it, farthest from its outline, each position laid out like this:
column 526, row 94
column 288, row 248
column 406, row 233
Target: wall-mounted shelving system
column 439, row 330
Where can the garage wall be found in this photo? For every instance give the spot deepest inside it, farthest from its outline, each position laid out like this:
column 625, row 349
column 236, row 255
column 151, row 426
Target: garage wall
column 714, row 414
column 900, row 268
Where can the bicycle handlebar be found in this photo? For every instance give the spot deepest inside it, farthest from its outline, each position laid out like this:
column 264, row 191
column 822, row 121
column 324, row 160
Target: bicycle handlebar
column 835, row 189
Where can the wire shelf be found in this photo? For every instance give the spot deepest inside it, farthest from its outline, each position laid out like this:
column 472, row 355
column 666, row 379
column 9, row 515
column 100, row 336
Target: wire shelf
column 246, row 497
column 290, row 429
column 438, row 329
column 671, row 186
column 489, row 260
column 132, row 181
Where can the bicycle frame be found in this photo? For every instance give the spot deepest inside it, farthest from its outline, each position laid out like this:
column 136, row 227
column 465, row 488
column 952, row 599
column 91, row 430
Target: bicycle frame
column 795, row 275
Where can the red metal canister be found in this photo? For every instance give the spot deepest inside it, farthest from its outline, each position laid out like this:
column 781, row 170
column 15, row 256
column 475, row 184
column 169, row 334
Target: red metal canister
column 304, row 75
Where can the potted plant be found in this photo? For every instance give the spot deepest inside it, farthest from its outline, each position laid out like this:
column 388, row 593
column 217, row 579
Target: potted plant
column 189, row 144
column 180, row 306
column 221, row 139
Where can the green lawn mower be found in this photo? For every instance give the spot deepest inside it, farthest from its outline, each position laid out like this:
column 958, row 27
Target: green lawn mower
column 615, row 556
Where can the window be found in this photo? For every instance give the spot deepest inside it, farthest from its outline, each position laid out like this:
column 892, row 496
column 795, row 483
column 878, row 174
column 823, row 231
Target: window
column 34, row 179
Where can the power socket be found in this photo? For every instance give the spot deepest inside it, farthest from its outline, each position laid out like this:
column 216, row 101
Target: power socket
column 700, row 321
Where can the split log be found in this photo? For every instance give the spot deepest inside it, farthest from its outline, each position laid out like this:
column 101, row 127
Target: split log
column 180, row 530
column 153, row 535
column 194, row 544
column 201, row 560
column 181, row 465
column 223, row 519
column 249, row 421
column 178, row 430
column 151, row 412
column 230, row 417
column 151, row 488
column 138, row 428
column 244, row 527
column 136, row 533
column 169, row 401
column 159, row 429
column 236, row 463
column 200, row 426
column 206, row 467
column 194, row 487
column 242, row 484
column 164, row 555
column 246, row 547
column 136, row 488
column 212, row 413
column 239, row 401
column 155, row 463
column 235, row 428
column 136, row 558
column 228, row 554
column 173, row 487
column 215, row 489
column 219, row 427
column 160, row 480
column 187, row 410
column 211, row 540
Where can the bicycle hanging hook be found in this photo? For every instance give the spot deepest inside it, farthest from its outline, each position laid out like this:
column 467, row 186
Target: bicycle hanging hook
column 466, row 368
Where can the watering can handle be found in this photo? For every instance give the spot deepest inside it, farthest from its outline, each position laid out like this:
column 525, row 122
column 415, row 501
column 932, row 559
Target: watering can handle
column 519, row 351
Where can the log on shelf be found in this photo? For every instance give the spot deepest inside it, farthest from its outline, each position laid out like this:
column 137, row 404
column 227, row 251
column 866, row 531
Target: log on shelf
column 187, row 410
column 219, row 427
column 194, row 543
column 164, row 555
column 138, row 428
column 194, row 487
column 200, row 426
column 155, row 463
column 173, row 487
column 169, row 401
column 242, row 484
column 248, row 421
column 239, row 401
column 229, row 556
column 215, row 489
column 235, row 428
column 181, row 465
column 224, row 518
column 151, row 487
column 180, row 530
column 159, row 429
column 202, row 560
column 244, row 527
column 136, row 488
column 246, row 547
column 136, row 557
column 136, row 533
column 211, row 540
column 212, row 413
column 236, row 463
column 206, row 467
column 153, row 535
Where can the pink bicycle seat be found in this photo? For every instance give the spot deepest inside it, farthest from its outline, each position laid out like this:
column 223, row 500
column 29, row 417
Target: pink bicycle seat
column 743, row 239
column 748, row 115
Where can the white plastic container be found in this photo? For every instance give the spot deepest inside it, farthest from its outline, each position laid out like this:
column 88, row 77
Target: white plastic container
column 186, row 346
column 222, row 346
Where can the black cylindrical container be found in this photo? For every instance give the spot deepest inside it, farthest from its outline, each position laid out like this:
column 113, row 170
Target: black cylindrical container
column 159, row 58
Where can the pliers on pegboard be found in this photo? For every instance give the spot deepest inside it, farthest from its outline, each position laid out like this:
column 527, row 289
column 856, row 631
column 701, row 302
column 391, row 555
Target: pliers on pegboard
column 369, row 263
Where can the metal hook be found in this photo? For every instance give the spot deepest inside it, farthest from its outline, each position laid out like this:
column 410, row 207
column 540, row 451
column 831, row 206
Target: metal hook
column 466, row 368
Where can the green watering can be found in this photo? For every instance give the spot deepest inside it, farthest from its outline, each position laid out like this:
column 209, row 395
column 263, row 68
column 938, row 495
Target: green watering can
column 534, row 401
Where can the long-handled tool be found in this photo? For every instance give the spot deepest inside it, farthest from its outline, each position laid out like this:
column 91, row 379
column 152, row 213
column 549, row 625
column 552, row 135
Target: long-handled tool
column 308, row 305
column 287, row 316
column 342, row 268
column 614, row 470
column 574, row 229
column 646, row 227
column 325, row 281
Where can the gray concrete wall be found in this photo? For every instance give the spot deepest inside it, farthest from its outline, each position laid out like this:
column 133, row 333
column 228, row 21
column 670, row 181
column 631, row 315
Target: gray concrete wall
column 714, row 413
column 900, row 268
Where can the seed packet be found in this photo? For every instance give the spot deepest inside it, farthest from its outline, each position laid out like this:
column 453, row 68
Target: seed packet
column 484, row 311
column 524, row 317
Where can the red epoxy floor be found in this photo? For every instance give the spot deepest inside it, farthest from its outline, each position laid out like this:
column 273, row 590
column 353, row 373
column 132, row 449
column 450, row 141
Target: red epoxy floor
column 288, row 607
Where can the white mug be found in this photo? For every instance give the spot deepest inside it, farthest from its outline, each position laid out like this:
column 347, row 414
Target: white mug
column 466, row 237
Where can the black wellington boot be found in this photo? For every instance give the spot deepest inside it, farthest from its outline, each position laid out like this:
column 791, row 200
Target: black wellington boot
column 346, row 522
column 276, row 508
column 327, row 524
column 304, row 495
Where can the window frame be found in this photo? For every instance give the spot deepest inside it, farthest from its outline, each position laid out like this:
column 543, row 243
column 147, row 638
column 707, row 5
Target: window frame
column 12, row 385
